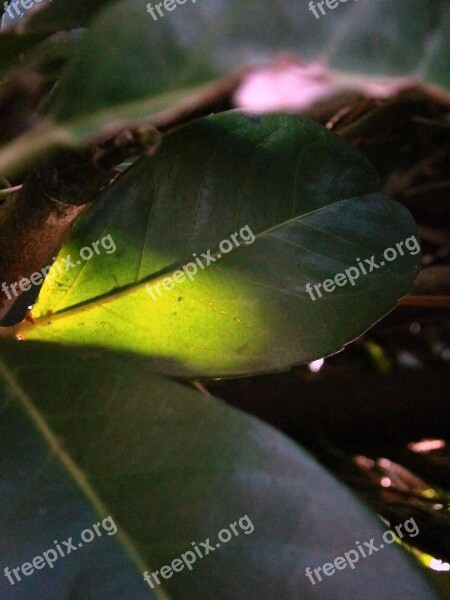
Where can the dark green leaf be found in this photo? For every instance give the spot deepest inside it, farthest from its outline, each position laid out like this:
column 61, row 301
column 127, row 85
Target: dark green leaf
column 65, row 14
column 13, row 45
column 173, row 466
column 153, row 65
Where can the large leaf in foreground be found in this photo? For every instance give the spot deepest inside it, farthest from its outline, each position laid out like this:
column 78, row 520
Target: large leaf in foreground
column 304, row 193
column 173, row 466
column 40, row 504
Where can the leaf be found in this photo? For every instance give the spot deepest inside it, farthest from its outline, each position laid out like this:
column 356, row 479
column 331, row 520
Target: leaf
column 153, row 65
column 394, row 38
column 40, row 504
column 64, row 14
column 173, row 466
column 373, row 38
column 149, row 52
column 50, row 57
column 151, row 72
column 187, row 46
column 13, row 45
column 305, row 193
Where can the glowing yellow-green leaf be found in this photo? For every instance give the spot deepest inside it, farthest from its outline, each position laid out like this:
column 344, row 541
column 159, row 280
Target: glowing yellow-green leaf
column 309, row 200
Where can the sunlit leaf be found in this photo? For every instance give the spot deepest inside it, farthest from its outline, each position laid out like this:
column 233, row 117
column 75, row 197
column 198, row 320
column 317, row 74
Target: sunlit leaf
column 306, row 195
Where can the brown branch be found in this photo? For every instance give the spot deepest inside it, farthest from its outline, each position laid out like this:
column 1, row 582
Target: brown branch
column 35, row 219
column 200, row 103
column 426, row 301
column 32, row 227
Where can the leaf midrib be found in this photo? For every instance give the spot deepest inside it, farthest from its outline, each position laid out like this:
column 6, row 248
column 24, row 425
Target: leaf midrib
column 69, row 465
column 113, row 295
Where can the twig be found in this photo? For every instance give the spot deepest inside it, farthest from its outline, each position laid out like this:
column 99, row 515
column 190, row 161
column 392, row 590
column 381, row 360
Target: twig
column 10, row 190
column 426, row 301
